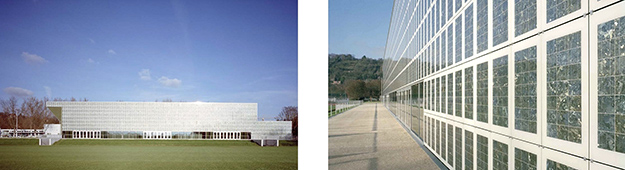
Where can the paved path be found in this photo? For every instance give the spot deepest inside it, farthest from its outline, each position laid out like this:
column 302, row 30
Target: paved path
column 363, row 138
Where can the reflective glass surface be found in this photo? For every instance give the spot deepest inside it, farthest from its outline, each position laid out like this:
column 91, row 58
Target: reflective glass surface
column 458, row 39
column 468, row 31
column 482, row 152
column 525, row 16
column 524, row 160
column 500, row 21
column 564, row 88
column 468, row 93
column 611, row 81
column 458, row 148
column 553, row 165
column 468, row 150
column 500, row 91
column 482, row 92
column 560, row 8
column 525, row 90
column 500, row 156
column 459, row 93
column 482, row 25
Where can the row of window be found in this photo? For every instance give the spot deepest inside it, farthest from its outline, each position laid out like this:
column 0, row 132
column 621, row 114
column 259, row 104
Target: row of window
column 564, row 87
column 415, row 23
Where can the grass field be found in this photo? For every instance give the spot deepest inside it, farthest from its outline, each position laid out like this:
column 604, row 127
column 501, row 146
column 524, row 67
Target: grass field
column 144, row 154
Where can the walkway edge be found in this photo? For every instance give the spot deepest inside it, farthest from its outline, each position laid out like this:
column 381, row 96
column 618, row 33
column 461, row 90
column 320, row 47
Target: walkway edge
column 435, row 159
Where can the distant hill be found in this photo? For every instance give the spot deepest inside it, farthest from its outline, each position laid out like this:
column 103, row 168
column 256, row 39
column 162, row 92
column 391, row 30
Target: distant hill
column 343, row 68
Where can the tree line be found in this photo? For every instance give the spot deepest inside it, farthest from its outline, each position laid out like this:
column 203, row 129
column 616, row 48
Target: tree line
column 353, row 78
column 31, row 112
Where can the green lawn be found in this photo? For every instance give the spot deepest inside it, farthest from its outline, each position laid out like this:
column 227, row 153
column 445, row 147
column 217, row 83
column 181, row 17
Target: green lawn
column 144, row 154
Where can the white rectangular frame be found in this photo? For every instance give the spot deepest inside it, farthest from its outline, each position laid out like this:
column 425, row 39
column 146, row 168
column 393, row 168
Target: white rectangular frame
column 566, row 159
column 580, row 149
column 597, row 18
column 533, row 41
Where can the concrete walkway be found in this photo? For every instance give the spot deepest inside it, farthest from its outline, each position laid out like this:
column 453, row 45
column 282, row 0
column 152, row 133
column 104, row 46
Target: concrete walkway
column 363, row 138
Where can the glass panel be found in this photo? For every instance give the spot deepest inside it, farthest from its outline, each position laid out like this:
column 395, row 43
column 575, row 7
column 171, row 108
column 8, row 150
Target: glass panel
column 468, row 31
column 500, row 91
column 525, row 16
column 560, row 8
column 482, row 152
column 468, row 93
column 524, row 160
column 611, row 81
column 525, row 90
column 500, row 156
column 459, row 93
column 458, row 39
column 443, row 140
column 450, row 93
column 500, row 21
column 450, row 9
column 468, row 150
column 458, row 148
column 450, row 45
column 482, row 92
column 482, row 25
column 450, row 145
column 553, row 165
column 564, row 88
column 442, row 95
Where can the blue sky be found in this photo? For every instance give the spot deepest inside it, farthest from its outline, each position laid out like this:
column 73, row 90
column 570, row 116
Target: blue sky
column 359, row 27
column 224, row 51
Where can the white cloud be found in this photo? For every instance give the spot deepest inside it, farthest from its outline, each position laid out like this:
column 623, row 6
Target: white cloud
column 90, row 60
column 18, row 92
column 92, row 41
column 112, row 52
column 48, row 91
column 169, row 82
column 33, row 58
column 144, row 74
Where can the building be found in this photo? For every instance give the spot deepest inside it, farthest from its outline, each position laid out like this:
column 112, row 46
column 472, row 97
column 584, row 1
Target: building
column 165, row 120
column 501, row 84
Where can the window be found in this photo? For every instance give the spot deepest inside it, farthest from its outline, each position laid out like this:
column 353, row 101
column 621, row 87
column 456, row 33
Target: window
column 557, row 9
column 482, row 25
column 558, row 166
column 468, row 93
column 458, row 5
column 459, row 93
column 468, row 31
column 450, row 45
column 443, row 140
column 611, row 81
column 525, row 90
column 468, row 150
column 450, row 93
column 525, row 16
column 524, row 159
column 500, row 156
column 482, row 92
column 450, row 145
column 482, row 152
column 458, row 39
column 458, row 148
column 442, row 95
column 450, row 9
column 564, row 88
column 444, row 62
column 500, row 21
column 500, row 91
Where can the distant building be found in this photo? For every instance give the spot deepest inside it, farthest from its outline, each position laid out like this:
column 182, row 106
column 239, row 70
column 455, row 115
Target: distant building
column 165, row 120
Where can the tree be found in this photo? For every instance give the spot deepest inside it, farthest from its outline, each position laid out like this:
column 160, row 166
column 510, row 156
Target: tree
column 373, row 89
column 356, row 89
column 289, row 113
column 10, row 106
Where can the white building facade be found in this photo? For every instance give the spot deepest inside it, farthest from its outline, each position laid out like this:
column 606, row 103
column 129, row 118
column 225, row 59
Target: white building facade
column 165, row 120
column 503, row 84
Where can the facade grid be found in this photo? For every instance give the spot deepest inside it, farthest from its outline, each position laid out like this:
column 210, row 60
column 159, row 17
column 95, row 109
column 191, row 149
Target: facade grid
column 531, row 84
